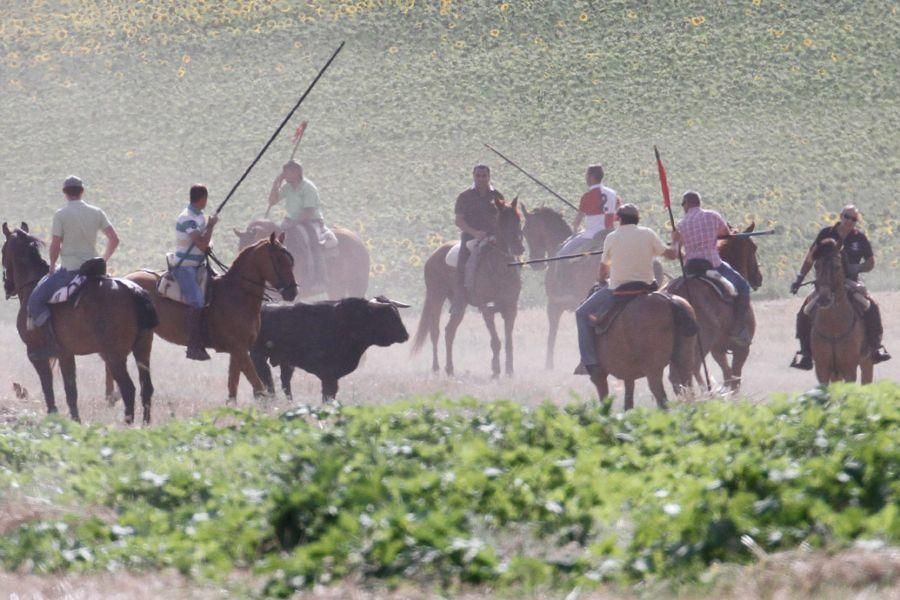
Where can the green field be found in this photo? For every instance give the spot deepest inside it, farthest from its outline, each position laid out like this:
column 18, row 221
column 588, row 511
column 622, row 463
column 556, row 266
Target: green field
column 778, row 112
column 448, row 493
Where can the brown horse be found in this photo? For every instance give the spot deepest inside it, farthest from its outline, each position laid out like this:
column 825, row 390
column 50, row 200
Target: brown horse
column 838, row 340
column 232, row 316
column 496, row 290
column 346, row 271
column 109, row 318
column 716, row 316
column 653, row 331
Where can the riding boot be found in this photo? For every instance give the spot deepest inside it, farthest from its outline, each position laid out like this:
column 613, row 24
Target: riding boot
column 740, row 332
column 50, row 347
column 874, row 332
column 195, row 349
column 803, row 359
column 458, row 299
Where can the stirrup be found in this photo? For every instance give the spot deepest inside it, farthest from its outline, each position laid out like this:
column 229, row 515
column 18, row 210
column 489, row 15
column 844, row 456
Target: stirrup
column 880, row 355
column 802, row 361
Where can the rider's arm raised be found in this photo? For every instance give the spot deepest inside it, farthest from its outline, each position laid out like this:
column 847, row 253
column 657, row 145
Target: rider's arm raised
column 275, row 193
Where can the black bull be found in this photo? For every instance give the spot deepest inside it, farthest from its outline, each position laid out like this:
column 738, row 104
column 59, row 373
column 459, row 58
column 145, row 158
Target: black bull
column 326, row 339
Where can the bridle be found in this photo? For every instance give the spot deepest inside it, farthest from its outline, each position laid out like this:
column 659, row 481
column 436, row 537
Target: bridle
column 280, row 285
column 16, row 289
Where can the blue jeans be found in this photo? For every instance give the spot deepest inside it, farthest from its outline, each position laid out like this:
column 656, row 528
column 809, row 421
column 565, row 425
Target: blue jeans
column 740, row 284
column 187, row 281
column 598, row 302
column 38, row 309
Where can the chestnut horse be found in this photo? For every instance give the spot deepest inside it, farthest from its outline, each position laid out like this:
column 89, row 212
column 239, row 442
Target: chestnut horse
column 232, row 316
column 653, row 331
column 109, row 318
column 716, row 315
column 346, row 270
column 838, row 340
column 496, row 290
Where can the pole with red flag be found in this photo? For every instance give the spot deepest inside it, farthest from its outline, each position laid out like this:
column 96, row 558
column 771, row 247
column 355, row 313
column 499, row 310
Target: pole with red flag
column 667, row 204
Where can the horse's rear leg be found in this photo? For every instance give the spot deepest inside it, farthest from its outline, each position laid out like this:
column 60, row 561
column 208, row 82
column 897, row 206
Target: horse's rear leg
column 629, row 394
column 738, row 358
column 119, row 369
column 655, row 381
column 554, row 312
column 450, row 335
column 45, row 374
column 721, row 358
column 249, row 371
column 141, row 351
column 67, row 368
column 598, row 378
column 509, row 322
column 488, row 315
column 261, row 364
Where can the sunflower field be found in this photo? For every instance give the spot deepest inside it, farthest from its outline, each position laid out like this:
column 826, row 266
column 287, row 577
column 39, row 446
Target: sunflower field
column 777, row 112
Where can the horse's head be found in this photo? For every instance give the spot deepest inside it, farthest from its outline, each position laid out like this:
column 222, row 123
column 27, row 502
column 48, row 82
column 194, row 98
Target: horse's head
column 544, row 230
column 828, row 263
column 22, row 262
column 509, row 227
column 274, row 264
column 256, row 231
column 740, row 253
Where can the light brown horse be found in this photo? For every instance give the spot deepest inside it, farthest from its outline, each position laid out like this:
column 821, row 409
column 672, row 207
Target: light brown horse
column 346, row 270
column 838, row 339
column 232, row 316
column 716, row 316
column 109, row 318
column 496, row 290
column 653, row 331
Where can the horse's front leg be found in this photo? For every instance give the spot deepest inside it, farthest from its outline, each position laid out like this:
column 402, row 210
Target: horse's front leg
column 509, row 321
column 234, row 375
column 45, row 374
column 488, row 315
column 721, row 357
column 739, row 356
column 67, row 367
column 598, row 378
column 554, row 312
column 249, row 371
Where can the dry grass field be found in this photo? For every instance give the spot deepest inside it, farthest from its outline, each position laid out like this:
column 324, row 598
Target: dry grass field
column 184, row 388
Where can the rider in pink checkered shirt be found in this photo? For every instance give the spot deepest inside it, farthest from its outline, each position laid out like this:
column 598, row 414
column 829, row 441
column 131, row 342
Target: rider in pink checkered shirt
column 698, row 233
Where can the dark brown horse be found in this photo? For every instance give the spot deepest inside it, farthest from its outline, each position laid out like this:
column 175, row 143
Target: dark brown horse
column 838, row 339
column 346, row 269
column 566, row 282
column 716, row 316
column 232, row 317
column 109, row 318
column 496, row 290
column 653, row 331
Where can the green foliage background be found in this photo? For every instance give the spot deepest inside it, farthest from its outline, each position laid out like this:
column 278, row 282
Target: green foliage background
column 778, row 112
column 447, row 492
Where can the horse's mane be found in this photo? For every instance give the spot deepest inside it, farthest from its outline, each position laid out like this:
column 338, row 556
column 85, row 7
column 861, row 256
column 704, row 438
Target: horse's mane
column 826, row 248
column 243, row 256
column 553, row 220
column 33, row 248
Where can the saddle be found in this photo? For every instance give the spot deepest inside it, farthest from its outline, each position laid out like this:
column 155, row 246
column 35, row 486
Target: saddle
column 452, row 258
column 859, row 298
column 94, row 268
column 623, row 295
column 168, row 287
column 703, row 270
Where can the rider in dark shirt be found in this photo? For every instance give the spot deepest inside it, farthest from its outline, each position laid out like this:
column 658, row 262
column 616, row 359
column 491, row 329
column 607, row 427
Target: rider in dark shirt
column 476, row 217
column 860, row 259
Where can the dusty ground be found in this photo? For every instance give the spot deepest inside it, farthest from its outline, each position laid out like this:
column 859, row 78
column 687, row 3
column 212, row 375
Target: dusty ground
column 184, row 388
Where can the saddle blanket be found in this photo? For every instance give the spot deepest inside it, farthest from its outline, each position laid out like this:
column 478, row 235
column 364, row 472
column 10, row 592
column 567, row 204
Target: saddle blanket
column 68, row 291
column 168, row 287
column 857, row 291
column 452, row 258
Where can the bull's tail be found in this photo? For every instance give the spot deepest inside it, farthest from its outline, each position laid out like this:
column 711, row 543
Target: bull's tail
column 430, row 319
column 146, row 312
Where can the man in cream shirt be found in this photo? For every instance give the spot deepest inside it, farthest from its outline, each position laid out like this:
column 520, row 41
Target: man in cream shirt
column 628, row 254
column 75, row 229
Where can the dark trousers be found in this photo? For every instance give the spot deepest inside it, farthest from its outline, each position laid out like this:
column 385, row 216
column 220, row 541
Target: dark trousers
column 871, row 321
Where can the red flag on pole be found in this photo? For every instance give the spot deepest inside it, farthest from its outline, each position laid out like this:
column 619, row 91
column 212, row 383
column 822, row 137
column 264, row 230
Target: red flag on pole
column 298, row 133
column 663, row 182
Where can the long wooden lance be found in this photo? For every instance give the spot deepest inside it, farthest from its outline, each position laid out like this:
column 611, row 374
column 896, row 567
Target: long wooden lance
column 271, row 139
column 529, row 175
column 747, row 234
column 667, row 204
column 562, row 257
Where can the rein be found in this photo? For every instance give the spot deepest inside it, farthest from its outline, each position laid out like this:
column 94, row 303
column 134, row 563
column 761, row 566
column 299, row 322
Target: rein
column 262, row 285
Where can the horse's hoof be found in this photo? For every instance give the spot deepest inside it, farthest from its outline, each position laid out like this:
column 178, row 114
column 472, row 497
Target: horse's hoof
column 231, row 401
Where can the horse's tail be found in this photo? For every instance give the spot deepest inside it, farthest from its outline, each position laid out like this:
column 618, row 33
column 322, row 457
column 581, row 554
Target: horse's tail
column 430, row 318
column 146, row 312
column 684, row 349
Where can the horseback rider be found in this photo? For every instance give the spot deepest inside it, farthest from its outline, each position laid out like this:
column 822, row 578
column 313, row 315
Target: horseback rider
column 304, row 213
column 476, row 217
column 597, row 210
column 628, row 255
column 75, row 228
column 193, row 231
column 860, row 259
column 698, row 232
